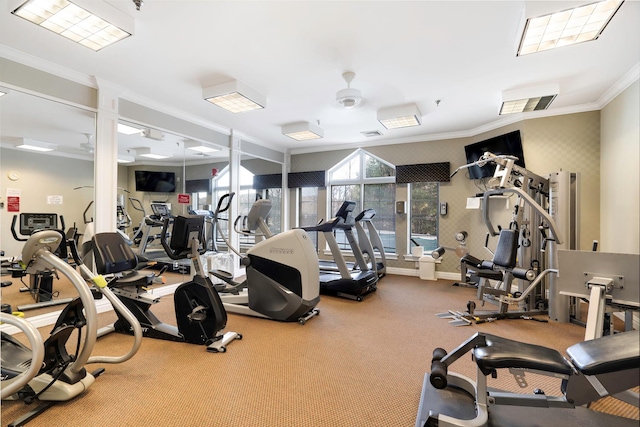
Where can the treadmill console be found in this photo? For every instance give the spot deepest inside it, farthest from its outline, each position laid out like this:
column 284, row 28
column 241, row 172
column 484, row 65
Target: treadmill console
column 30, row 222
column 160, row 210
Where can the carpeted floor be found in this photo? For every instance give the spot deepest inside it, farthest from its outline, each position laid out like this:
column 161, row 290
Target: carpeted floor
column 356, row 364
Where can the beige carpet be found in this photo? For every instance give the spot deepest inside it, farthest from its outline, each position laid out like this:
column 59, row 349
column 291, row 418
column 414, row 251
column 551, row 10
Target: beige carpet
column 356, row 364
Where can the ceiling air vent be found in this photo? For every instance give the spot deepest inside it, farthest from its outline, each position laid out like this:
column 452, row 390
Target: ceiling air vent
column 371, row 133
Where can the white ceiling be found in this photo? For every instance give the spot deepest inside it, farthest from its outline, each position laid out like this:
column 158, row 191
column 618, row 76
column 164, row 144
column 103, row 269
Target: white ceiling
column 294, row 53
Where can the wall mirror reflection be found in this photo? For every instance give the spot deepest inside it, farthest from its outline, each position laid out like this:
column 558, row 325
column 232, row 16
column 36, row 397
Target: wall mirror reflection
column 162, row 175
column 260, row 179
column 47, row 163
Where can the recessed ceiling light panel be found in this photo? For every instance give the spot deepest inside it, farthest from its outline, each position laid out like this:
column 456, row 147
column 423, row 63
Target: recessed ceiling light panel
column 34, row 145
column 234, row 97
column 302, row 131
column 581, row 24
column 400, row 117
column 74, row 22
column 199, row 147
column 528, row 99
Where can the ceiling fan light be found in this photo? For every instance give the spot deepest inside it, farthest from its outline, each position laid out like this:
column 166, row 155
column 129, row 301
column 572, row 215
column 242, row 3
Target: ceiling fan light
column 349, row 98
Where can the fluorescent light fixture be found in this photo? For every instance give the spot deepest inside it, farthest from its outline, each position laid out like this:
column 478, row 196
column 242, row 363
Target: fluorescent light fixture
column 234, row 96
column 123, row 158
column 76, row 23
column 153, row 153
column 302, row 131
column 128, row 130
column 400, row 117
column 530, row 99
column 199, row 147
column 577, row 25
column 153, row 134
column 34, row 145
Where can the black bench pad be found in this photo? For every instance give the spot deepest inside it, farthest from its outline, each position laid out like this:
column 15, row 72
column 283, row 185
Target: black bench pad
column 505, row 353
column 610, row 353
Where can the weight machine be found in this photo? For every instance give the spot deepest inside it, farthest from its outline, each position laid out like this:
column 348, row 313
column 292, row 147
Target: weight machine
column 544, row 219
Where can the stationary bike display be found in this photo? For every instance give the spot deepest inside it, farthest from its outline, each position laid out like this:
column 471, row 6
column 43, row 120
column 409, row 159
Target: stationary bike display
column 200, row 315
column 41, row 283
column 46, row 371
column 282, row 278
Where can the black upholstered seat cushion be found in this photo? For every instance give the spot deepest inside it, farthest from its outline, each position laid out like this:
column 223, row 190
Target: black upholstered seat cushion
column 610, row 353
column 505, row 353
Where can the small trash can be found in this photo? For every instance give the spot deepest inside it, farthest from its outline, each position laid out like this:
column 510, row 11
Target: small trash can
column 427, row 267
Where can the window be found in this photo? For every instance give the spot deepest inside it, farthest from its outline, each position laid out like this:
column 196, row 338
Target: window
column 246, row 198
column 424, row 215
column 370, row 182
column 274, row 219
column 308, row 210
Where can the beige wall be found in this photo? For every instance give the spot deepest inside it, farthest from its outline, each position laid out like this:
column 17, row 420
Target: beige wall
column 569, row 142
column 42, row 175
column 620, row 181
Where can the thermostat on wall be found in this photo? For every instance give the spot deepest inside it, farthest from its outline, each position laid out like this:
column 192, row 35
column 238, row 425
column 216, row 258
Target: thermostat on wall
column 13, row 175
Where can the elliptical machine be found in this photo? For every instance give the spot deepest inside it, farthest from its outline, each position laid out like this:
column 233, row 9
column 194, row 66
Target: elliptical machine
column 200, row 315
column 282, row 277
column 47, row 372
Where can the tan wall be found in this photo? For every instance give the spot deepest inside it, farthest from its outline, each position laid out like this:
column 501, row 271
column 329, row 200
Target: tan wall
column 569, row 142
column 40, row 176
column 620, row 179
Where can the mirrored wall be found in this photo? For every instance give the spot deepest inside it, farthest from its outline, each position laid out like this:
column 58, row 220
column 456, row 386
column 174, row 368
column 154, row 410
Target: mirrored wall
column 47, row 163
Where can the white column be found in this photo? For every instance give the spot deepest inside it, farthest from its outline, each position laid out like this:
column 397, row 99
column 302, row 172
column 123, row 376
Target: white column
column 235, row 154
column 106, row 158
column 286, row 167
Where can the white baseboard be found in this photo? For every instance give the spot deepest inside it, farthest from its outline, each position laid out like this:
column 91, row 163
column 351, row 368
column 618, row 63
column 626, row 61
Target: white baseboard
column 102, row 305
column 413, row 272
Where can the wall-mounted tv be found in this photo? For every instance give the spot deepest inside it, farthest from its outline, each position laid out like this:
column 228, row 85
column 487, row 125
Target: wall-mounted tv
column 509, row 143
column 158, row 182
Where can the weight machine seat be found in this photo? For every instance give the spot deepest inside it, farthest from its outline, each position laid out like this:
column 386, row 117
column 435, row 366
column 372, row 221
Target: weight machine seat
column 505, row 353
column 506, row 249
column 112, row 255
column 610, row 353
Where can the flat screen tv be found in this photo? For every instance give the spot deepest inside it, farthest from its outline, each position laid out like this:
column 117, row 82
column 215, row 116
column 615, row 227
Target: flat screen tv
column 158, row 182
column 509, row 143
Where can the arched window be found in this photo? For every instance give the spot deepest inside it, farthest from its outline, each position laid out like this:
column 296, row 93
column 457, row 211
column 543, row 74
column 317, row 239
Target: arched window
column 370, row 182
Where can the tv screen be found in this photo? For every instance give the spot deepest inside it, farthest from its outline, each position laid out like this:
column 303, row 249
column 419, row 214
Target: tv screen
column 158, row 182
column 509, row 143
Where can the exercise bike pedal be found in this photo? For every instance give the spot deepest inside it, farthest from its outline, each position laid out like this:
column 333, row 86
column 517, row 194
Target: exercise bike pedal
column 98, row 372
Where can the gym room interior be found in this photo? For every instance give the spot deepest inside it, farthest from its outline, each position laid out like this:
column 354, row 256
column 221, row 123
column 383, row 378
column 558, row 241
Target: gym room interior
column 395, row 148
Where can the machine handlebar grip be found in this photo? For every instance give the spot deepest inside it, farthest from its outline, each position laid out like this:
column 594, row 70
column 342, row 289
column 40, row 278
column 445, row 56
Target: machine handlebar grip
column 438, row 354
column 438, row 376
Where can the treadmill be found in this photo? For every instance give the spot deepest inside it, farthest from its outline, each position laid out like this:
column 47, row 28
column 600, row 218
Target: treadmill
column 367, row 245
column 340, row 280
column 371, row 243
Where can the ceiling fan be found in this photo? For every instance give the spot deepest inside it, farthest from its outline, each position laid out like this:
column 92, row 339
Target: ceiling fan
column 349, row 98
column 88, row 146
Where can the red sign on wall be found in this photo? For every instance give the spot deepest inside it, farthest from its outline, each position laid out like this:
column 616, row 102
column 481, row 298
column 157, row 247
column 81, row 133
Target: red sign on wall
column 184, row 199
column 13, row 204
